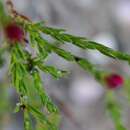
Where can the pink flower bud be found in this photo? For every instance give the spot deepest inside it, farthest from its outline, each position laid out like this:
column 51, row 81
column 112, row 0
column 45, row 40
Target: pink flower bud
column 14, row 33
column 114, row 81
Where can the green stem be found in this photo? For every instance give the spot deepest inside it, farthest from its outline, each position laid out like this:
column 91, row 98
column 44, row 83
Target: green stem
column 114, row 111
column 27, row 124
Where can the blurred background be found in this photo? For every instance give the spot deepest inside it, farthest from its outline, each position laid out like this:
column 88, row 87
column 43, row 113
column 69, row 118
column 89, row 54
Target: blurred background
column 79, row 96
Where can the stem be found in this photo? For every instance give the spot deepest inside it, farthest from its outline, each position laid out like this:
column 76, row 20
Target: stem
column 27, row 124
column 114, row 110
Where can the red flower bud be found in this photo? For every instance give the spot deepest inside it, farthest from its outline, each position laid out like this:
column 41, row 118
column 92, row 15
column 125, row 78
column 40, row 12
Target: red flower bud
column 14, row 33
column 114, row 81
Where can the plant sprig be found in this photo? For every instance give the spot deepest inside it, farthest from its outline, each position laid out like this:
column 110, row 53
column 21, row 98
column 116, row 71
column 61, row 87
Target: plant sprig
column 60, row 35
column 25, row 67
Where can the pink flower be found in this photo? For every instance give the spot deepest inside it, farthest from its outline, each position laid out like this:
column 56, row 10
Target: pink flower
column 14, row 33
column 114, row 81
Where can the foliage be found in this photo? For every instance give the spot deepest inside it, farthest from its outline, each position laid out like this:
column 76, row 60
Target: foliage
column 25, row 67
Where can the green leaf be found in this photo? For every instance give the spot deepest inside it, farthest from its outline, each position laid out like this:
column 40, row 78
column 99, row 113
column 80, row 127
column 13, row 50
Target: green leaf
column 64, row 54
column 41, row 117
column 46, row 101
column 84, row 43
column 56, row 73
column 3, row 17
column 18, row 69
column 84, row 63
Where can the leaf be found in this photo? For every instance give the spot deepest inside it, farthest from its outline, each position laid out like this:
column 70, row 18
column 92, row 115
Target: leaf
column 46, row 101
column 84, row 63
column 39, row 24
column 18, row 69
column 56, row 73
column 110, row 52
column 41, row 117
column 3, row 17
column 43, row 47
column 64, row 54
column 84, row 43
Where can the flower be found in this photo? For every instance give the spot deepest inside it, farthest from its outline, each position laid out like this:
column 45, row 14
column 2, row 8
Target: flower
column 114, row 81
column 14, row 33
